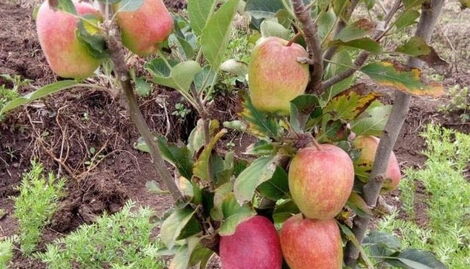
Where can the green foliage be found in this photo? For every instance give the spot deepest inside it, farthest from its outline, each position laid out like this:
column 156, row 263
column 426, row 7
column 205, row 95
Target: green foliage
column 459, row 102
column 447, row 232
column 119, row 241
column 6, row 251
column 36, row 204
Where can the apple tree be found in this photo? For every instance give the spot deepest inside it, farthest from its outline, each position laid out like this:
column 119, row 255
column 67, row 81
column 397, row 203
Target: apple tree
column 301, row 196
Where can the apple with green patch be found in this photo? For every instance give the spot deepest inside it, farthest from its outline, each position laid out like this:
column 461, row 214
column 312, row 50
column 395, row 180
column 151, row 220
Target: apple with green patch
column 321, row 179
column 275, row 76
column 309, row 244
column 143, row 30
column 367, row 146
column 67, row 56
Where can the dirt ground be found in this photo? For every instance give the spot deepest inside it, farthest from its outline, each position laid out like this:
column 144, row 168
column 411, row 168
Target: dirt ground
column 86, row 136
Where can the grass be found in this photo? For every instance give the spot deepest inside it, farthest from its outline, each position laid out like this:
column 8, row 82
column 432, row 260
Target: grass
column 447, row 233
column 119, row 241
column 36, row 204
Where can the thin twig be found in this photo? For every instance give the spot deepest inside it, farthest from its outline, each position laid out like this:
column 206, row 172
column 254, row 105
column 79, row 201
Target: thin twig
column 309, row 28
column 430, row 13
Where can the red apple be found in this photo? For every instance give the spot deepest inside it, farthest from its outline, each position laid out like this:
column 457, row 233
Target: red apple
column 311, row 244
column 275, row 76
column 67, row 56
column 367, row 145
column 144, row 29
column 254, row 245
column 321, row 180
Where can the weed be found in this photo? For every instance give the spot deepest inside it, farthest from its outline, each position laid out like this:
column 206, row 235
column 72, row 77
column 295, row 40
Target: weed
column 447, row 233
column 119, row 241
column 36, row 204
column 459, row 102
column 181, row 111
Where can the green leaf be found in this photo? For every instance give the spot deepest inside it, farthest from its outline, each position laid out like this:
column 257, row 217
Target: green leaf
column 261, row 170
column 349, row 104
column 179, row 225
column 383, row 239
column 235, row 67
column 277, row 187
column 284, row 210
column 182, row 258
column 179, row 156
column 412, row 3
column 302, row 108
column 216, row 34
column 272, row 28
column 363, row 43
column 40, row 93
column 260, row 148
column 179, row 76
column 196, row 137
column 464, row 4
column 201, row 167
column 358, row 205
column 407, row 18
column 198, row 12
column 416, row 46
column 419, row 259
column 129, row 5
column 229, row 225
column 263, row 8
column 339, row 63
column 90, row 35
column 401, row 78
column 142, row 87
column 326, row 21
column 340, row 8
column 259, row 123
column 356, row 30
column 64, row 5
column 372, row 121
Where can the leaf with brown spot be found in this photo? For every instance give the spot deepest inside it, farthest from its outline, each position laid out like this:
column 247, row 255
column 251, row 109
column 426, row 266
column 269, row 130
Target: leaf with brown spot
column 402, row 78
column 350, row 103
column 356, row 30
column 417, row 47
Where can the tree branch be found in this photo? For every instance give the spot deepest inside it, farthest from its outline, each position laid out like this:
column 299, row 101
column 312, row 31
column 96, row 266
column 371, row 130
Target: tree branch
column 122, row 74
column 309, row 28
column 364, row 55
column 430, row 13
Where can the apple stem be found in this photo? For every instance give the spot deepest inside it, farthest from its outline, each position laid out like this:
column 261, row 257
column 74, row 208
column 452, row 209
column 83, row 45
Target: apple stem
column 315, row 144
column 294, row 39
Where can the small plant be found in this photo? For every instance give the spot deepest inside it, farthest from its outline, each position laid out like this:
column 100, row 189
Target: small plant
column 181, row 110
column 459, row 102
column 6, row 252
column 447, row 232
column 118, row 241
column 36, row 204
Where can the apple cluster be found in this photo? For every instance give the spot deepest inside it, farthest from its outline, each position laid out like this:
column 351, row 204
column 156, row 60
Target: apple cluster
column 321, row 177
column 142, row 32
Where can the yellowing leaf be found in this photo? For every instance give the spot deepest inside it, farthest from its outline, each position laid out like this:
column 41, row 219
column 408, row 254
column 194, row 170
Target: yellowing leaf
column 350, row 103
column 399, row 77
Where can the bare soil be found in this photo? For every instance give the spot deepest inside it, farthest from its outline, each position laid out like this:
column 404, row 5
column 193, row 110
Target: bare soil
column 86, row 136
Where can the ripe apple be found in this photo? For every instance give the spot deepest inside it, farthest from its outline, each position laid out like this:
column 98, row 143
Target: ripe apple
column 255, row 245
column 275, row 77
column 309, row 244
column 144, row 29
column 367, row 145
column 67, row 56
column 321, row 180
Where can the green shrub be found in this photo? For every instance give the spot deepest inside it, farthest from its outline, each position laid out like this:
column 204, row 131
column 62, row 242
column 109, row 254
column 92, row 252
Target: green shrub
column 6, row 252
column 119, row 241
column 36, row 204
column 447, row 232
